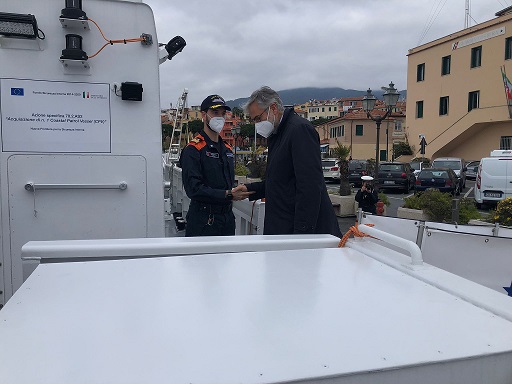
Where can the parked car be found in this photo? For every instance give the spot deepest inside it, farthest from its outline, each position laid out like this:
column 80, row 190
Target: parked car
column 472, row 167
column 356, row 169
column 331, row 169
column 443, row 179
column 396, row 175
column 494, row 178
column 417, row 166
column 457, row 164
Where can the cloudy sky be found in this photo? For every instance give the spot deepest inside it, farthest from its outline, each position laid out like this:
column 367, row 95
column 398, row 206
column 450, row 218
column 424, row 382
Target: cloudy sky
column 235, row 46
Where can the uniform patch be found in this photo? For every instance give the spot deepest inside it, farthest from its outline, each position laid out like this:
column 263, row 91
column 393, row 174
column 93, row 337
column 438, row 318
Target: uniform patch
column 228, row 154
column 212, row 154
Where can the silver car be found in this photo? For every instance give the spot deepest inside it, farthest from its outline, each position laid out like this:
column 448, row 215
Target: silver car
column 472, row 167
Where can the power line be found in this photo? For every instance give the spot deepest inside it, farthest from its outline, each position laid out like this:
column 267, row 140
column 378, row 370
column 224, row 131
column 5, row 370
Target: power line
column 501, row 4
column 438, row 9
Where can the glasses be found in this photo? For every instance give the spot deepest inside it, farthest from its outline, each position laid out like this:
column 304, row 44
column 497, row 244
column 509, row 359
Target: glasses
column 257, row 119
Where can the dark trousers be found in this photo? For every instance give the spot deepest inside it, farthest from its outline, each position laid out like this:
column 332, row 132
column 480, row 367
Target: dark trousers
column 206, row 220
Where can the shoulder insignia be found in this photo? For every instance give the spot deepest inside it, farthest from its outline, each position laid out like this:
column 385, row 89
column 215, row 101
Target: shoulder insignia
column 198, row 142
column 228, row 146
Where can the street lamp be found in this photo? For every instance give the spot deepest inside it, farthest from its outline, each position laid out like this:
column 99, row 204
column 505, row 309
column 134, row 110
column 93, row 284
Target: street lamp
column 235, row 131
column 390, row 99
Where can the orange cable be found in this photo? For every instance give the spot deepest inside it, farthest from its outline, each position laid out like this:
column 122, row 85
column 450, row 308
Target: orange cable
column 355, row 231
column 112, row 42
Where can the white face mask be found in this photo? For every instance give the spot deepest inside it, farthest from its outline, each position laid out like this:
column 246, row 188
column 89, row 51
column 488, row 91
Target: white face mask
column 216, row 124
column 265, row 128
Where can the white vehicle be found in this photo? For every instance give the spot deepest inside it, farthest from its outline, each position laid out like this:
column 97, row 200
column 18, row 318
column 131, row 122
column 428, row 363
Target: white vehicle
column 331, row 169
column 494, row 178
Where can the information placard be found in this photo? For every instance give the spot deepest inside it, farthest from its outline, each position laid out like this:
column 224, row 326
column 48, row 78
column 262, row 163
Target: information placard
column 55, row 116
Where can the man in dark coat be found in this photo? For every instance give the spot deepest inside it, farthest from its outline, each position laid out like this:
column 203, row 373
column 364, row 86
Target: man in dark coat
column 367, row 196
column 294, row 188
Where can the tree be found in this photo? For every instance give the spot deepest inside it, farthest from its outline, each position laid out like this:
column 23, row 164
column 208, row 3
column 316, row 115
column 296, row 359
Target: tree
column 319, row 121
column 247, row 131
column 166, row 130
column 400, row 149
column 195, row 126
column 341, row 152
column 238, row 112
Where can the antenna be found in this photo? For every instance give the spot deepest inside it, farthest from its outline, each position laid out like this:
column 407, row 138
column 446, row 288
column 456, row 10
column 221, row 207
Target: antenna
column 467, row 14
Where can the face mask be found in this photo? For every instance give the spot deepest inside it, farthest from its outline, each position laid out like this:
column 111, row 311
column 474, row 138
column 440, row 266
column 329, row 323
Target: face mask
column 216, row 124
column 265, row 128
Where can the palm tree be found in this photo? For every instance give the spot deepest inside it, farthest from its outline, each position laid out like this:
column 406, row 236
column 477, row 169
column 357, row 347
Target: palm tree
column 341, row 152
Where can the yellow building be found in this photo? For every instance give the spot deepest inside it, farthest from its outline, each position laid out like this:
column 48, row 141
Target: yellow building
column 456, row 93
column 322, row 109
column 356, row 130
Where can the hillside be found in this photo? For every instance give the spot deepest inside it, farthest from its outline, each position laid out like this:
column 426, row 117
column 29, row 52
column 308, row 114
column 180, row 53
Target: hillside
column 301, row 95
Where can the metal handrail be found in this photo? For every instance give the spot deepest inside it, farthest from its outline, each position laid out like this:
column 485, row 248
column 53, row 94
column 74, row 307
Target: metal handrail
column 411, row 247
column 30, row 186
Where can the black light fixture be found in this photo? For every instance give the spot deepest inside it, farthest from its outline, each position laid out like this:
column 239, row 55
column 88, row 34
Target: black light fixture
column 73, row 49
column 131, row 90
column 175, row 46
column 21, row 26
column 73, row 10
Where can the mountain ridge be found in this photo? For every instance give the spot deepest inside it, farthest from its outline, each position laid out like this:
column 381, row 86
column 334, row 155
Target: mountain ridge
column 302, row 95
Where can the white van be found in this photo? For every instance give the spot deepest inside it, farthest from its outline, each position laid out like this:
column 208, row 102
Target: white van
column 494, row 178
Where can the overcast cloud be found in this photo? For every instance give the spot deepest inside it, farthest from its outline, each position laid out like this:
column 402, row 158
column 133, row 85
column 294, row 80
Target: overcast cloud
column 235, row 46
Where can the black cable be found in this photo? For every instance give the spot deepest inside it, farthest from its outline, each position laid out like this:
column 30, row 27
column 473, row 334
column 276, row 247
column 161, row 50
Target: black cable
column 39, row 37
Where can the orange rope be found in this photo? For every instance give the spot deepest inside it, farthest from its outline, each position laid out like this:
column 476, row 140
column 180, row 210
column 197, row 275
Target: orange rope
column 355, row 231
column 112, row 42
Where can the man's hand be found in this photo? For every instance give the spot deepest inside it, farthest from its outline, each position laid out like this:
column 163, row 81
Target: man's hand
column 240, row 192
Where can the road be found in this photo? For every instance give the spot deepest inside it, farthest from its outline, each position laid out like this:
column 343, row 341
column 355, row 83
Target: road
column 396, row 198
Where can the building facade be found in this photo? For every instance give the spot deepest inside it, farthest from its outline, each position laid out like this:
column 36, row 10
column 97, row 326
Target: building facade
column 456, row 93
column 356, row 130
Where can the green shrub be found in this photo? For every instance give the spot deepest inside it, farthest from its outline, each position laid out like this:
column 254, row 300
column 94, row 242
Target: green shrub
column 241, row 170
column 438, row 206
column 503, row 212
column 384, row 198
column 413, row 202
column 468, row 211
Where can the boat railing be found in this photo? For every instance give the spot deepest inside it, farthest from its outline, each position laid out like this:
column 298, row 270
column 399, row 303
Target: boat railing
column 249, row 215
column 477, row 253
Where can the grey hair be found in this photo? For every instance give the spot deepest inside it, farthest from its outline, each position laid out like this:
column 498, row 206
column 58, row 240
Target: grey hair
column 264, row 97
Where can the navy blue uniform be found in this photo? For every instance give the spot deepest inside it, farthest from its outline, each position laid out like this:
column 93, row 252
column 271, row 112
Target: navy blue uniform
column 208, row 172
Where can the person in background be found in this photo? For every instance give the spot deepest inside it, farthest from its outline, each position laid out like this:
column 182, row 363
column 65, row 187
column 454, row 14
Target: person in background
column 367, row 196
column 294, row 188
column 207, row 164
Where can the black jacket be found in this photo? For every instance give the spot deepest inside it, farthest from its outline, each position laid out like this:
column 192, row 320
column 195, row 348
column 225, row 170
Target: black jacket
column 367, row 200
column 208, row 170
column 294, row 187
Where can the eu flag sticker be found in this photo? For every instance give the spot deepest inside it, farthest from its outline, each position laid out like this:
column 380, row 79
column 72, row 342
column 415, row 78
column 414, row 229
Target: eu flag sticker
column 17, row 92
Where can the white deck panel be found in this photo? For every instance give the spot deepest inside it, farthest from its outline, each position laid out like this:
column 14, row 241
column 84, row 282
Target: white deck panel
column 268, row 317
